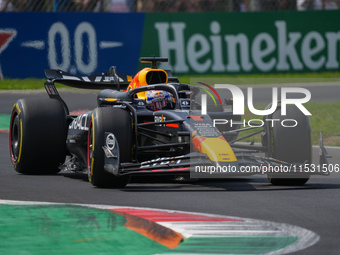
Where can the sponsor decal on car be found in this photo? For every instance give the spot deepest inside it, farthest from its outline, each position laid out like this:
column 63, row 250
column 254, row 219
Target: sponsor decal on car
column 110, row 141
column 80, row 123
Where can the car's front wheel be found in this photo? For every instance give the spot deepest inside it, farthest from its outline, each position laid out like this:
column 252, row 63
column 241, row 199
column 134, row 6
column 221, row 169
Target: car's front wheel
column 108, row 120
column 289, row 144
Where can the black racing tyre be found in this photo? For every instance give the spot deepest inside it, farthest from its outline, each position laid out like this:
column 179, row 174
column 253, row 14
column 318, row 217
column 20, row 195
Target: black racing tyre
column 37, row 138
column 119, row 122
column 290, row 144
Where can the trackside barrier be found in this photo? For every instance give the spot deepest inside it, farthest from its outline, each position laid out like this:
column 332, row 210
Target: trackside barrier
column 196, row 43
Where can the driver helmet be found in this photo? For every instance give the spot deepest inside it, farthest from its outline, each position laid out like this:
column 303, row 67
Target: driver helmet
column 157, row 99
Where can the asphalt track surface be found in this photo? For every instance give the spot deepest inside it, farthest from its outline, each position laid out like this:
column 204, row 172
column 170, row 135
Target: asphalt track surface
column 314, row 206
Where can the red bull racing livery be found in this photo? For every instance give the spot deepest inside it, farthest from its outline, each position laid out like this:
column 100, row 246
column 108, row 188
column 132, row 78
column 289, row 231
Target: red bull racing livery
column 150, row 124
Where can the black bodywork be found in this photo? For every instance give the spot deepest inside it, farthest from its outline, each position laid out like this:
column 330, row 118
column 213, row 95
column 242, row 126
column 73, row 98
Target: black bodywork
column 162, row 139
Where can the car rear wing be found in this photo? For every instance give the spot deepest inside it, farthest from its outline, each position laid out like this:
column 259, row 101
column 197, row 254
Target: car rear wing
column 109, row 80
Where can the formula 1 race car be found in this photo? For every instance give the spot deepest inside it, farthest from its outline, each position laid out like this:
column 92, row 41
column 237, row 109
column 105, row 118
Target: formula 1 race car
column 156, row 126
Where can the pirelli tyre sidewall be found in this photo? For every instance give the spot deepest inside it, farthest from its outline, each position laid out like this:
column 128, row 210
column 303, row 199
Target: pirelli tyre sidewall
column 290, row 144
column 37, row 138
column 118, row 122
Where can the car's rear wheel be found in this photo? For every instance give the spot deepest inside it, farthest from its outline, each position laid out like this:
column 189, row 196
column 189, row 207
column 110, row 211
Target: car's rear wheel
column 37, row 137
column 118, row 122
column 290, row 144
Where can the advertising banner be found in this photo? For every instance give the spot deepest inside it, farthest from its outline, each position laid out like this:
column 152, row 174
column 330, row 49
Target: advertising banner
column 195, row 43
column 79, row 43
column 258, row 42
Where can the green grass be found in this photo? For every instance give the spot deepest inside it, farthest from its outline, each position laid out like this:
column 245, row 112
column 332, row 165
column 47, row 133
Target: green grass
column 23, row 84
column 325, row 118
column 238, row 79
